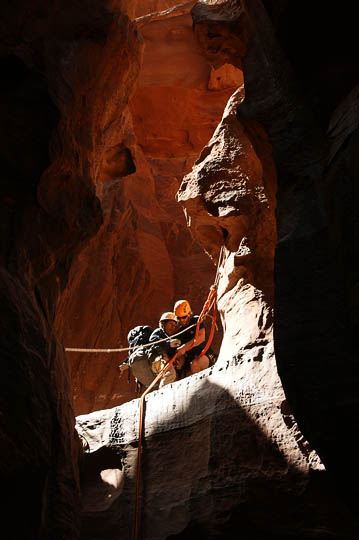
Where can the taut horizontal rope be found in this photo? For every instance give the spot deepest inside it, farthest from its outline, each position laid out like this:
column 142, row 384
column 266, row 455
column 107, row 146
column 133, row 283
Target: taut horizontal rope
column 125, row 349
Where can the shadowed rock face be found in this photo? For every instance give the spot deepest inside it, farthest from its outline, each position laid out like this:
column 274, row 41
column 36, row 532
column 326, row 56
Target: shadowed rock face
column 39, row 448
column 61, row 102
column 316, row 248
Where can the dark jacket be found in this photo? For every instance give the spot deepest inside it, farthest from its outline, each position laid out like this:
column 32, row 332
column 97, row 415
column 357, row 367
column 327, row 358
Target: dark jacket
column 189, row 334
column 163, row 347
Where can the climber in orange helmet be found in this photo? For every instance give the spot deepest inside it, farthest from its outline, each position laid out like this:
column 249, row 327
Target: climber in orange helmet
column 191, row 348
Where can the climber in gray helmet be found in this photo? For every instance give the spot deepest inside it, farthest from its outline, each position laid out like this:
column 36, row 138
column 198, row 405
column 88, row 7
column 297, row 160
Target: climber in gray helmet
column 161, row 353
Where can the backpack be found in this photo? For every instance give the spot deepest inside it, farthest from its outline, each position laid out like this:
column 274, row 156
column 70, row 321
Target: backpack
column 139, row 360
column 139, row 335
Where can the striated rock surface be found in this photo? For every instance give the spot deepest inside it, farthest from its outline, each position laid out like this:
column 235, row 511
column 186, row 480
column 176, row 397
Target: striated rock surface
column 143, row 258
column 256, row 473
column 313, row 275
column 61, row 102
column 39, row 447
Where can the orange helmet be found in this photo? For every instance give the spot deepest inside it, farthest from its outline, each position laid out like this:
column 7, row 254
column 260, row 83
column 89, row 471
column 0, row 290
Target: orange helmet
column 182, row 308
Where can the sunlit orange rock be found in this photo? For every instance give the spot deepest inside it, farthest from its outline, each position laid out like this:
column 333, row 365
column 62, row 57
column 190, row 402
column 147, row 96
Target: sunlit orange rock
column 143, row 259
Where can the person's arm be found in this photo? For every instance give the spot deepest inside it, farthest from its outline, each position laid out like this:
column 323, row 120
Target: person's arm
column 192, row 342
column 156, row 335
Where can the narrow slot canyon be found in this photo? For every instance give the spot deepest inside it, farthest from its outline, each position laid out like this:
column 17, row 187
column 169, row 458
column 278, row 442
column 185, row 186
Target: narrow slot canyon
column 155, row 151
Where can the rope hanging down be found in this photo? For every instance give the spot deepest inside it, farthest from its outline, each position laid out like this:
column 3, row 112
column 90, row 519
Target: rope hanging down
column 210, row 302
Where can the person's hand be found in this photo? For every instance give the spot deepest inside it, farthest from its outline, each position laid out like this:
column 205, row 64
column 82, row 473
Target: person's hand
column 179, row 362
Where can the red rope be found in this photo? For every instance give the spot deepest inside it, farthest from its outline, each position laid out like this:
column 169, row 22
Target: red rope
column 212, row 296
column 139, row 450
column 213, row 326
column 207, row 304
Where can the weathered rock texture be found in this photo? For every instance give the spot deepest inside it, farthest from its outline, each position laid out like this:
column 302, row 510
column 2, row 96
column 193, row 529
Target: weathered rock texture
column 143, row 258
column 316, row 253
column 39, row 449
column 220, row 455
column 272, row 140
column 61, row 103
column 225, row 452
column 229, row 198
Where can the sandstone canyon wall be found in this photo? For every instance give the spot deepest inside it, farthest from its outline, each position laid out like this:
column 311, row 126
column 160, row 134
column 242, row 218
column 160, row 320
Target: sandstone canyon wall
column 143, row 258
column 309, row 114
column 107, row 107
column 268, row 143
column 62, row 103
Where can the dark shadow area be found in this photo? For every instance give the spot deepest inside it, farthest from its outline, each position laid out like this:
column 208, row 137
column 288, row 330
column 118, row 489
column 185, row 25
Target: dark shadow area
column 22, row 502
column 104, row 458
column 312, row 516
column 28, row 119
column 324, row 56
